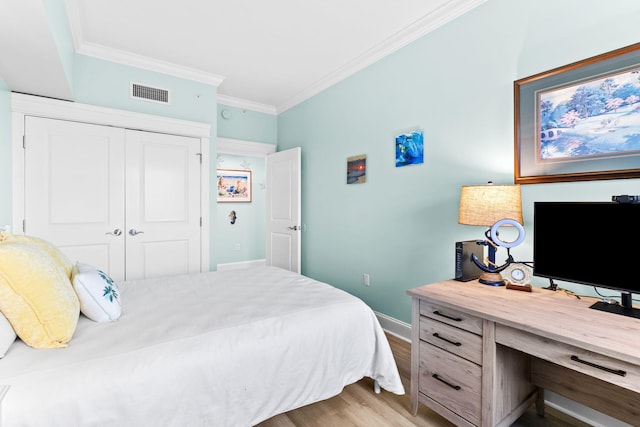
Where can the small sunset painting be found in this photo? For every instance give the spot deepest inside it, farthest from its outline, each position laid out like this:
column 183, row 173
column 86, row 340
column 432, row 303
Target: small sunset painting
column 356, row 169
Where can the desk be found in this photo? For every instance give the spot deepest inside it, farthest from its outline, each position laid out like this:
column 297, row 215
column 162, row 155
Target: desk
column 482, row 354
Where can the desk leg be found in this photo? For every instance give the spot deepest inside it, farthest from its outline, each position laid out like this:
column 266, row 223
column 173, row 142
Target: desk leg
column 415, row 354
column 540, row 402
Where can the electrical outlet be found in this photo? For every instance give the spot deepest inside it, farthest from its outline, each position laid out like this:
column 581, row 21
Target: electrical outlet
column 237, row 246
column 365, row 279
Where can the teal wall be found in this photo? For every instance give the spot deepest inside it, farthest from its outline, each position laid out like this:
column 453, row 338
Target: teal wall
column 107, row 84
column 457, row 84
column 248, row 125
column 249, row 230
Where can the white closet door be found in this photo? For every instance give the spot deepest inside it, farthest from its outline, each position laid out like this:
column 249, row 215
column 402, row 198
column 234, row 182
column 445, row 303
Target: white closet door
column 74, row 190
column 162, row 204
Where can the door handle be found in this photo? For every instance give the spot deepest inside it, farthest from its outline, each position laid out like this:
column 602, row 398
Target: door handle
column 133, row 232
column 294, row 228
column 115, row 232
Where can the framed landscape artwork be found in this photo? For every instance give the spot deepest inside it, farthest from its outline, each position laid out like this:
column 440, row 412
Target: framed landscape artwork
column 581, row 121
column 357, row 169
column 234, row 185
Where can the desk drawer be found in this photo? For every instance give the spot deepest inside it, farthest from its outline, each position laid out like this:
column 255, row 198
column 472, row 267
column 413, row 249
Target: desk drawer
column 595, row 365
column 452, row 381
column 454, row 340
column 452, row 317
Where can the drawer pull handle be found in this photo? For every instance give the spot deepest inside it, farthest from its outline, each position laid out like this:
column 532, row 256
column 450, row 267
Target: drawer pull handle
column 594, row 365
column 437, row 335
column 455, row 387
column 455, row 319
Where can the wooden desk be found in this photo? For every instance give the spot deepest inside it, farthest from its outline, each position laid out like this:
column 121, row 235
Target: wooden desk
column 482, row 354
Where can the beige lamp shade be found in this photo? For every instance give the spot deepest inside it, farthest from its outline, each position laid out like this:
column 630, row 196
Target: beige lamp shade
column 488, row 204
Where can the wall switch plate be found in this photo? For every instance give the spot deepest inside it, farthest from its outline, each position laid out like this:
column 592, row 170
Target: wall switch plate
column 365, row 279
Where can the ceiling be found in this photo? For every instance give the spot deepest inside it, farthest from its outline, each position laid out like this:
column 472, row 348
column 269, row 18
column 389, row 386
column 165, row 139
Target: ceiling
column 265, row 55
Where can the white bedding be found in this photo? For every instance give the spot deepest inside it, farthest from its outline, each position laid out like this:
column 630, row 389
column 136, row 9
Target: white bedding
column 229, row 348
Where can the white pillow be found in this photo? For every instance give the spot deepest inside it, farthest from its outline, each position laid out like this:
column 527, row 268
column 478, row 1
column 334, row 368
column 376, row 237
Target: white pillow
column 7, row 335
column 99, row 295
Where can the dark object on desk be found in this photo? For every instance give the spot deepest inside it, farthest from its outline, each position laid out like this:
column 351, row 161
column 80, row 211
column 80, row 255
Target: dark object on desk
column 562, row 246
column 466, row 269
column 616, row 309
column 524, row 288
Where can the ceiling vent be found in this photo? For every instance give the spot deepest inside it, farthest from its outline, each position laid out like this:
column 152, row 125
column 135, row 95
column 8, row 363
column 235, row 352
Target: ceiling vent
column 149, row 93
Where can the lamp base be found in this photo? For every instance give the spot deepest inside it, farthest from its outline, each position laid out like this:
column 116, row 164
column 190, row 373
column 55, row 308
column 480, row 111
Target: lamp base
column 491, row 279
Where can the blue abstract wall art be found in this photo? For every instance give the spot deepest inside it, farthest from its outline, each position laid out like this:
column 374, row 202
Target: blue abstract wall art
column 410, row 148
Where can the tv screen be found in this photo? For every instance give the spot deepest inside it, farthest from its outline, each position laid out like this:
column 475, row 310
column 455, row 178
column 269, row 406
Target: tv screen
column 591, row 243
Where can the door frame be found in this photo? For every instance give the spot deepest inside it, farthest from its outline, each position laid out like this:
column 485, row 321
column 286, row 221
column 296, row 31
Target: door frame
column 28, row 105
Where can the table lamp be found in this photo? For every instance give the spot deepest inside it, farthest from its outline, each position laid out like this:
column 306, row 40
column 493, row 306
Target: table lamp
column 491, row 206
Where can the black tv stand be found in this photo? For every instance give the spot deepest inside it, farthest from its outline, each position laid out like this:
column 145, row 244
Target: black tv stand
column 625, row 307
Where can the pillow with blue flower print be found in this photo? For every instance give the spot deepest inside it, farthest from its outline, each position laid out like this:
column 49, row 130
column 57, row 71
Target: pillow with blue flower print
column 98, row 293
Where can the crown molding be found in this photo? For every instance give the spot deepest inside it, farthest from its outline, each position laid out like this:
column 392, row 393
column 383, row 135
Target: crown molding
column 246, row 104
column 244, row 148
column 139, row 61
column 98, row 51
column 421, row 27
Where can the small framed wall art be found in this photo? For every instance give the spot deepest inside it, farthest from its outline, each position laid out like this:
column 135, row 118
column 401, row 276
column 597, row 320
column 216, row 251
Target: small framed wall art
column 356, row 169
column 410, row 148
column 234, row 185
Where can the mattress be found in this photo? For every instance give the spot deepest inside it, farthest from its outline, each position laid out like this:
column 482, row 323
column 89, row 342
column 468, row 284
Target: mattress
column 228, row 348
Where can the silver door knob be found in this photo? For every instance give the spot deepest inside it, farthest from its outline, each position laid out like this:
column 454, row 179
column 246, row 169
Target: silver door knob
column 115, row 232
column 133, row 232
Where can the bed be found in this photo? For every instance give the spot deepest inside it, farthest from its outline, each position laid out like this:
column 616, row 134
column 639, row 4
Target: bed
column 227, row 348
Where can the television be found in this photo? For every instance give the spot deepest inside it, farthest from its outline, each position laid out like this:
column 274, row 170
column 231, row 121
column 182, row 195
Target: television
column 590, row 243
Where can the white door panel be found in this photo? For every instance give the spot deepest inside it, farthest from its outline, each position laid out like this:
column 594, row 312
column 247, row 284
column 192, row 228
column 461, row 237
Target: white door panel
column 281, row 247
column 74, row 190
column 283, row 209
column 163, row 204
column 87, row 186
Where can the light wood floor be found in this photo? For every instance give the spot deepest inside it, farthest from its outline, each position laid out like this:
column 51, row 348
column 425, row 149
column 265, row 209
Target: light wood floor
column 359, row 406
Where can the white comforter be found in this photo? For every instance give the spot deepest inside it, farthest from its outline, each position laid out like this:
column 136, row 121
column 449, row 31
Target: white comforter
column 229, row 348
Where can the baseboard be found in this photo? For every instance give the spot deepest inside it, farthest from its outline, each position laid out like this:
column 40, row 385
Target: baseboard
column 394, row 326
column 580, row 412
column 242, row 264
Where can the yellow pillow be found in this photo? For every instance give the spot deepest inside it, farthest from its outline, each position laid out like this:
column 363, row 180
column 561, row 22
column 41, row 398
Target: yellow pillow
column 36, row 295
column 49, row 248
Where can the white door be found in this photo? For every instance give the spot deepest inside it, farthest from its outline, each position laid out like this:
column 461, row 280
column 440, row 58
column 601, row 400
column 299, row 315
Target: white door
column 163, row 204
column 125, row 201
column 74, row 190
column 284, row 209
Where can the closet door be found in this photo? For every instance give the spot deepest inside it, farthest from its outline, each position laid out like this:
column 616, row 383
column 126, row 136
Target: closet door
column 74, row 190
column 162, row 204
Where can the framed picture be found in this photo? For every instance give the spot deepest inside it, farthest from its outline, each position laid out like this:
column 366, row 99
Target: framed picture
column 580, row 122
column 410, row 148
column 234, row 185
column 357, row 169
